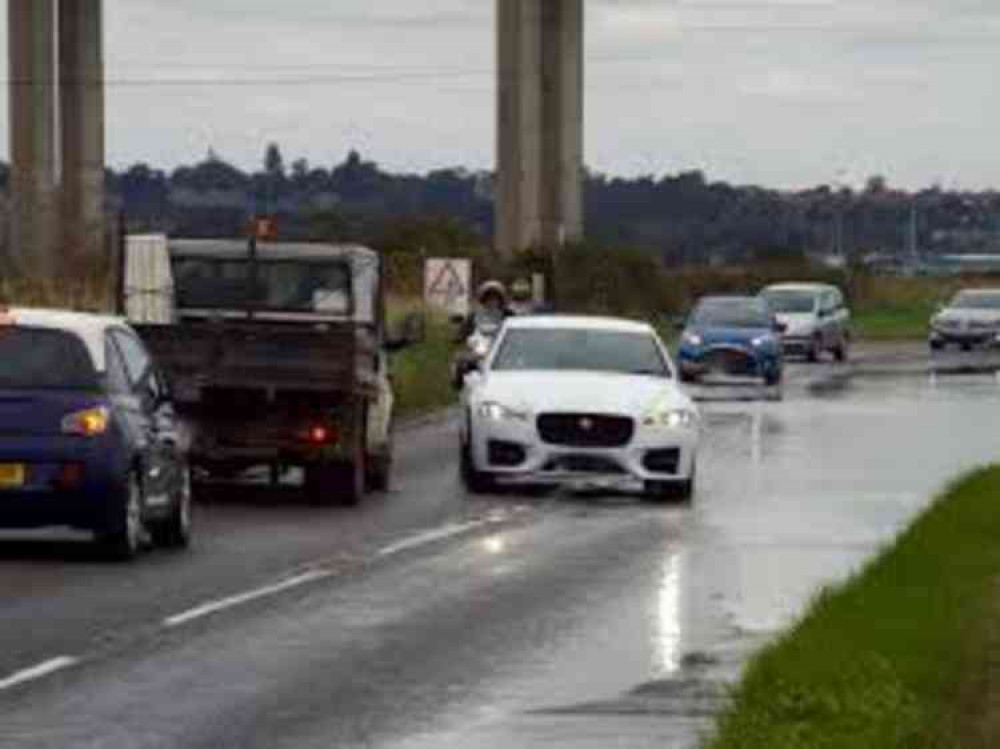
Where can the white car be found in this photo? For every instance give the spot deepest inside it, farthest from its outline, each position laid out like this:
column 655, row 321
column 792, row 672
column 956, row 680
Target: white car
column 971, row 319
column 579, row 401
column 815, row 318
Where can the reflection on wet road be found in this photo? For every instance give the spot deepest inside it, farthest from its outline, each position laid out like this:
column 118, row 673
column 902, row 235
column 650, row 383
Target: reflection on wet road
column 575, row 621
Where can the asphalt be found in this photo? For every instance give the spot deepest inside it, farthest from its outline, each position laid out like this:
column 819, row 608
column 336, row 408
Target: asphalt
column 425, row 618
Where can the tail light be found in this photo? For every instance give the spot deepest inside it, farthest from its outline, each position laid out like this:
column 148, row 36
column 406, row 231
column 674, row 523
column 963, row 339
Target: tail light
column 320, row 435
column 90, row 423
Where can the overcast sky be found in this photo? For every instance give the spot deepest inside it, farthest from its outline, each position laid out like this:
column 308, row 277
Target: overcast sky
column 785, row 93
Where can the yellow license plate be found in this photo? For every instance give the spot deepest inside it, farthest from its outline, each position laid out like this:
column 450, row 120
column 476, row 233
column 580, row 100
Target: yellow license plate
column 11, row 475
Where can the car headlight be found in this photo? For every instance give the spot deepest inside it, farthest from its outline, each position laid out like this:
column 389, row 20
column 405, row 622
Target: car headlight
column 693, row 339
column 672, row 418
column 762, row 341
column 498, row 412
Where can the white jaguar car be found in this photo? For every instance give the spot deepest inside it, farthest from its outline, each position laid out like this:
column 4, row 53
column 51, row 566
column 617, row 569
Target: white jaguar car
column 579, row 401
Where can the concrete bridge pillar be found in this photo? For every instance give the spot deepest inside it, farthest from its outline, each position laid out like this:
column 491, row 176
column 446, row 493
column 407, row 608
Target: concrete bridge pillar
column 57, row 133
column 540, row 123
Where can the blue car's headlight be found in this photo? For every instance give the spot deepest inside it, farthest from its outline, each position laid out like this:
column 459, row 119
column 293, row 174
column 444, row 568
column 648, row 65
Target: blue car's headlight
column 693, row 339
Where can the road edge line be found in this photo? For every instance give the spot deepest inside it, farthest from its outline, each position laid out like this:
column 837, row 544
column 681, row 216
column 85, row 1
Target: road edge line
column 39, row 671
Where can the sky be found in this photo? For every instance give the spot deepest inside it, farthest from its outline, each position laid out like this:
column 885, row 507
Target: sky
column 780, row 93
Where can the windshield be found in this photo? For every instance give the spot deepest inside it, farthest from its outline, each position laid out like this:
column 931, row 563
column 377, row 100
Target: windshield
column 554, row 349
column 732, row 313
column 35, row 359
column 282, row 286
column 977, row 300
column 791, row 302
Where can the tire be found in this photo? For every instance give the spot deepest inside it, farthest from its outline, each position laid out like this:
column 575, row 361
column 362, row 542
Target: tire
column 475, row 481
column 379, row 475
column 937, row 345
column 815, row 351
column 124, row 539
column 840, row 353
column 688, row 378
column 773, row 379
column 175, row 531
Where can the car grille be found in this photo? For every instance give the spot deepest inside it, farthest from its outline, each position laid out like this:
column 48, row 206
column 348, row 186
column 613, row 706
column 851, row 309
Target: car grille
column 730, row 361
column 585, row 430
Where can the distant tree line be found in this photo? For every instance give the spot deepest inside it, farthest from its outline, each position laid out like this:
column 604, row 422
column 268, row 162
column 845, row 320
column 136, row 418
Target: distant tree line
column 682, row 218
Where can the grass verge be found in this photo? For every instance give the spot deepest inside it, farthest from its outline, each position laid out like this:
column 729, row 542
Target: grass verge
column 900, row 322
column 422, row 373
column 902, row 656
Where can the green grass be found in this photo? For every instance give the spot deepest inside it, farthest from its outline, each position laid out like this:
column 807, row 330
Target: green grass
column 422, row 373
column 894, row 322
column 899, row 657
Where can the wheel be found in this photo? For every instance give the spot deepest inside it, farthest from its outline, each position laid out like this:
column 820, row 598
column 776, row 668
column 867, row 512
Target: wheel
column 937, row 345
column 123, row 540
column 475, row 481
column 840, row 353
column 815, row 350
column 773, row 379
column 379, row 475
column 175, row 531
column 336, row 483
column 688, row 378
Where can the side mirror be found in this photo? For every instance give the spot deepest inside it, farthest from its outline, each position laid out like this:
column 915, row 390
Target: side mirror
column 410, row 332
column 463, row 368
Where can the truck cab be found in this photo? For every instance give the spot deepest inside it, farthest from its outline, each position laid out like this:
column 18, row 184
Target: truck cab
column 276, row 354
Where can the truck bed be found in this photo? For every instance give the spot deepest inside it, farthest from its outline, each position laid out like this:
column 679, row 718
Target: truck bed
column 215, row 356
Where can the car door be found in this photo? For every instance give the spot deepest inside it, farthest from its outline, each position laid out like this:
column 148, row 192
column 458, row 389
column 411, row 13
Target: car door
column 153, row 419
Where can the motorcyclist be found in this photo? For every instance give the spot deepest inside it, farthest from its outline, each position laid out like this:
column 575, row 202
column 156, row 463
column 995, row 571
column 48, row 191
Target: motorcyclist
column 492, row 308
column 522, row 298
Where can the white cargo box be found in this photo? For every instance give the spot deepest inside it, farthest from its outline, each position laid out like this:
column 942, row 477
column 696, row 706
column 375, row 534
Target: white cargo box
column 149, row 283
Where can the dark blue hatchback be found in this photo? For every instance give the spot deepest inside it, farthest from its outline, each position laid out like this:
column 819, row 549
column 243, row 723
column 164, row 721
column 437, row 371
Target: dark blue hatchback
column 734, row 336
column 88, row 438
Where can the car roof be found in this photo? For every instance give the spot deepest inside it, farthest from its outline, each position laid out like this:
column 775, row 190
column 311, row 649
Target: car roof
column 89, row 328
column 578, row 322
column 238, row 249
column 979, row 292
column 811, row 287
column 727, row 299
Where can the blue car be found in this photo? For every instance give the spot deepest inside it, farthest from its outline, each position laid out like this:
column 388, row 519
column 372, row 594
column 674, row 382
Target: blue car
column 734, row 336
column 88, row 438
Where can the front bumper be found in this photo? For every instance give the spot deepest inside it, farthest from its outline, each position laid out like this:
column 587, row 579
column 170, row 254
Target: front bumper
column 514, row 452
column 965, row 336
column 733, row 361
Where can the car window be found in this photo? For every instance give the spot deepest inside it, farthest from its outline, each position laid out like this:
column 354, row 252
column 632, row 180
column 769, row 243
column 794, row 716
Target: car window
column 565, row 349
column 732, row 313
column 977, row 300
column 137, row 361
column 116, row 375
column 790, row 301
column 39, row 359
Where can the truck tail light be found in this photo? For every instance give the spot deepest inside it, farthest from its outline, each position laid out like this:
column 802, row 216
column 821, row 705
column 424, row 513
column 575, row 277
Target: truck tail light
column 320, row 435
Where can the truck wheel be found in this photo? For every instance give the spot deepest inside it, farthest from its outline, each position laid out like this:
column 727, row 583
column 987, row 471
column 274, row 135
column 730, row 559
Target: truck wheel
column 336, row 483
column 379, row 475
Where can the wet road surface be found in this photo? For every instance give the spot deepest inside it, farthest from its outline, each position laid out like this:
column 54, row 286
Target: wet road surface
column 427, row 619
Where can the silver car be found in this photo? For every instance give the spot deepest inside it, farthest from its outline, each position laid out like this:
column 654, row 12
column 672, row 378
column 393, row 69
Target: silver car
column 971, row 318
column 815, row 318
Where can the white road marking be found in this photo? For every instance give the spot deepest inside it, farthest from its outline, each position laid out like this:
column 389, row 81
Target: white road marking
column 38, row 672
column 430, row 537
column 214, row 607
column 407, row 544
